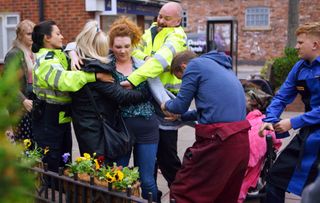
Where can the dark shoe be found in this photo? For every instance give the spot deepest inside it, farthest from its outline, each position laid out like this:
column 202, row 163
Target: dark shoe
column 159, row 195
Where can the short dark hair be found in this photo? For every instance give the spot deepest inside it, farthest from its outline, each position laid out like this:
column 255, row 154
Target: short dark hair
column 179, row 58
column 39, row 31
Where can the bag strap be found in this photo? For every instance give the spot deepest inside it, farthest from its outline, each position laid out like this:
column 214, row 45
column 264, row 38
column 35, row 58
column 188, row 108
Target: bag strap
column 99, row 115
column 89, row 93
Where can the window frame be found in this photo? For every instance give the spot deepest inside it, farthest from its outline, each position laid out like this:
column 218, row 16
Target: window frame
column 5, row 26
column 257, row 27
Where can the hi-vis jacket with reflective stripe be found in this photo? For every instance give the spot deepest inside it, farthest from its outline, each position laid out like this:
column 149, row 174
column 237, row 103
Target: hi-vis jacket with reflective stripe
column 165, row 45
column 52, row 81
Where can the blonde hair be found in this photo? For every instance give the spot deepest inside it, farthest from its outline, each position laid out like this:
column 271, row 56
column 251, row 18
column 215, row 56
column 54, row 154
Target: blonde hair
column 124, row 27
column 312, row 28
column 21, row 29
column 92, row 43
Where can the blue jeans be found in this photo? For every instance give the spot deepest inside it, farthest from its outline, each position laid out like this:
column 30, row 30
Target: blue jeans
column 274, row 194
column 145, row 158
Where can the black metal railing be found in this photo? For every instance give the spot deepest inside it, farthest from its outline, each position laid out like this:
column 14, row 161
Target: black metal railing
column 56, row 187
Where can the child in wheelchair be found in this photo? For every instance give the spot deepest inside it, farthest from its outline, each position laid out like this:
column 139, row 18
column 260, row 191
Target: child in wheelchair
column 258, row 96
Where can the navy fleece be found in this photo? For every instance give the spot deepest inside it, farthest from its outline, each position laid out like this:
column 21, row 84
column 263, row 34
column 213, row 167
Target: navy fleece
column 218, row 94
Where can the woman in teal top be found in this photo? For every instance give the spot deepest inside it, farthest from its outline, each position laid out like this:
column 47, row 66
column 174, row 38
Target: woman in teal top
column 140, row 119
column 145, row 110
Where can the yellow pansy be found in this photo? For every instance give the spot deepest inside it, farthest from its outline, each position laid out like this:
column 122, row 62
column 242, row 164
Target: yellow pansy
column 118, row 175
column 87, row 156
column 97, row 164
column 79, row 159
column 27, row 143
column 46, row 150
column 110, row 178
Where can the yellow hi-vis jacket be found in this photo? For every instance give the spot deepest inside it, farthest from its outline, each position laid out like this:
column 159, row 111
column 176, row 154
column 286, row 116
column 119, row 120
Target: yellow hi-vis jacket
column 165, row 45
column 52, row 81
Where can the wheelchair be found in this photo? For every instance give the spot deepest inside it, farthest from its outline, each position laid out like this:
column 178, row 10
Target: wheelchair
column 259, row 191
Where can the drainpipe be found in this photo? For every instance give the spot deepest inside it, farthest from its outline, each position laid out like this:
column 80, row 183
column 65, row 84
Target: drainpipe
column 293, row 22
column 41, row 10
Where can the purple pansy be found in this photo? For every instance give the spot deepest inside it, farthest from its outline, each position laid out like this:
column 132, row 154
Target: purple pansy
column 65, row 157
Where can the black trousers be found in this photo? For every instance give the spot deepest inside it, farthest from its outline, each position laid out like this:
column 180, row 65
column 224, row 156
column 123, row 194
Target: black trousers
column 48, row 132
column 167, row 155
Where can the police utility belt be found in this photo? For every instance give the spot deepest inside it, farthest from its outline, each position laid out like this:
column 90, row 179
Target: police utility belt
column 41, row 107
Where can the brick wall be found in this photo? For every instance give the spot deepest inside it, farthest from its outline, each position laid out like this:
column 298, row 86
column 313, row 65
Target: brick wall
column 69, row 15
column 28, row 9
column 254, row 45
column 309, row 10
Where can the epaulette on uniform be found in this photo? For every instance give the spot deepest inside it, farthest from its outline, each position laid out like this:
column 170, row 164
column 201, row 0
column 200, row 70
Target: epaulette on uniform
column 49, row 55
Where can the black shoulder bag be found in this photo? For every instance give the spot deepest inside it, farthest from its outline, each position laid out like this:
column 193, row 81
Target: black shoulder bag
column 117, row 142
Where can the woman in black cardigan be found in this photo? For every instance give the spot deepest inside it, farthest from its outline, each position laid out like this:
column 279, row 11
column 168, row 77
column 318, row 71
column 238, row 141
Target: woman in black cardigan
column 93, row 49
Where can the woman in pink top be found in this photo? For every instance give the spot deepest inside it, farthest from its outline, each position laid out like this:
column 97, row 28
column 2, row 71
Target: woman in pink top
column 257, row 101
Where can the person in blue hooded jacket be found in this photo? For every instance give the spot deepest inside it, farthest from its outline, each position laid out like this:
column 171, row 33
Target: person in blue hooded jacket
column 214, row 167
column 297, row 164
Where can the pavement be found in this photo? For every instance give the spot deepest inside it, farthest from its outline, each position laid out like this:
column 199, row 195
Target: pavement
column 245, row 71
column 186, row 138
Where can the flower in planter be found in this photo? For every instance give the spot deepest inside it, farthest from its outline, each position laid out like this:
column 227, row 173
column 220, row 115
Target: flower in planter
column 118, row 175
column 27, row 143
column 84, row 165
column 65, row 157
column 32, row 153
column 101, row 160
column 112, row 177
column 121, row 178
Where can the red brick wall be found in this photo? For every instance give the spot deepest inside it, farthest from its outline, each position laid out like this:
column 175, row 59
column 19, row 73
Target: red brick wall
column 309, row 10
column 28, row 9
column 69, row 15
column 253, row 45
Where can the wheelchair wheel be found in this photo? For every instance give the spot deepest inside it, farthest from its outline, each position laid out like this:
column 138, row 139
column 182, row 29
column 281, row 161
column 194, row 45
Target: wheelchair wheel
column 258, row 192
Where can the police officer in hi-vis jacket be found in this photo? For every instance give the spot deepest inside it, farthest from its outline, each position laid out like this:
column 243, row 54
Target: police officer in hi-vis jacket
column 52, row 81
column 158, row 46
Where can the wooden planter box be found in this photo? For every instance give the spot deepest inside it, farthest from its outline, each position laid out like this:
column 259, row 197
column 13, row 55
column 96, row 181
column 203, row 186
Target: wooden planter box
column 98, row 196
